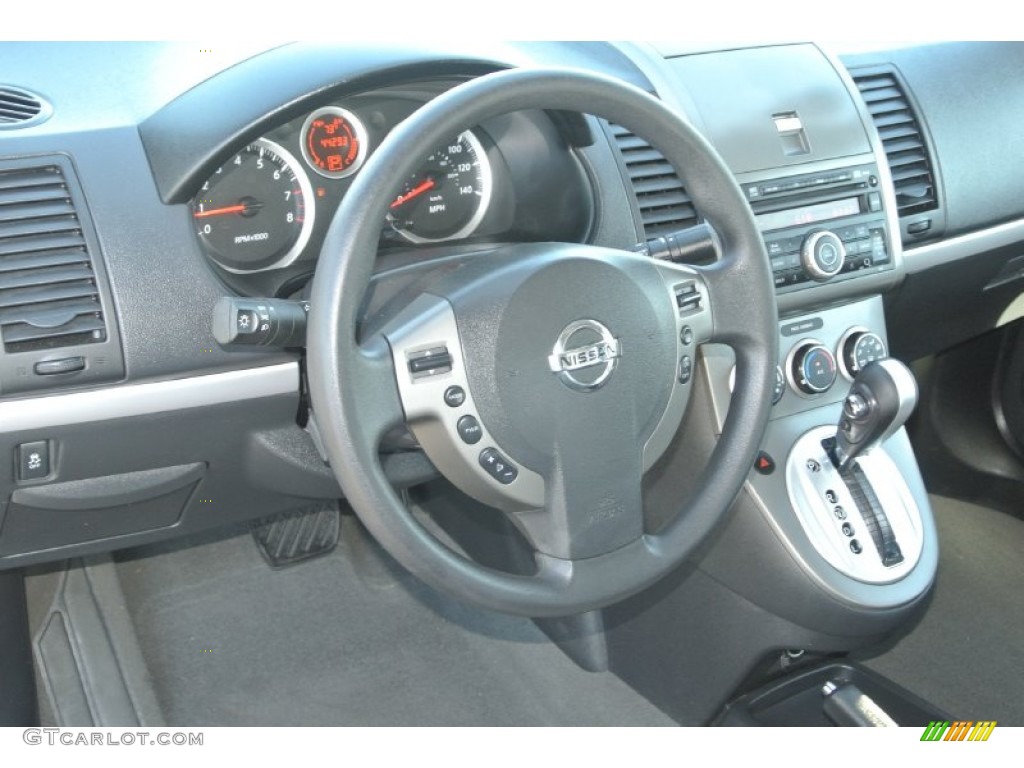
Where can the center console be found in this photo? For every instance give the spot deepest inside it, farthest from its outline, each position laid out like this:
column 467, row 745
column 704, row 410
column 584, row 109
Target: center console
column 827, row 519
column 795, row 131
column 831, row 545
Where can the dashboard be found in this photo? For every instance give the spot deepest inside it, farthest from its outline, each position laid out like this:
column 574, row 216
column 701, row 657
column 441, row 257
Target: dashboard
column 166, row 215
column 167, row 189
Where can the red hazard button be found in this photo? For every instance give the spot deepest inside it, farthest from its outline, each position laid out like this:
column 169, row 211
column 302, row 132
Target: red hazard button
column 764, row 463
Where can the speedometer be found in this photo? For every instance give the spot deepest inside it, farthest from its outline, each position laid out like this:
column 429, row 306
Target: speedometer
column 448, row 196
column 256, row 211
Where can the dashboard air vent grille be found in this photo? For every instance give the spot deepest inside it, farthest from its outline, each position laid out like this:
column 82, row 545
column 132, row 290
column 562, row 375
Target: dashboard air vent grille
column 912, row 172
column 19, row 108
column 48, row 292
column 665, row 206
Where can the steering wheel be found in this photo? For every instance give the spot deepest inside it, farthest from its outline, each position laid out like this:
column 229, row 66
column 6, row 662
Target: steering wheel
column 543, row 379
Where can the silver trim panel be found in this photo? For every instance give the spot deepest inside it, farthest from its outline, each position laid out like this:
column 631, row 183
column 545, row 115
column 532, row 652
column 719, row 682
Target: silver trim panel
column 130, row 400
column 807, row 491
column 701, row 323
column 953, row 249
column 429, row 323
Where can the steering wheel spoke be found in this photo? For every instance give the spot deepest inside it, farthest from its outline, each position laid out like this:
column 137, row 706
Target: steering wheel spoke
column 437, row 400
column 594, row 502
column 732, row 298
column 373, row 369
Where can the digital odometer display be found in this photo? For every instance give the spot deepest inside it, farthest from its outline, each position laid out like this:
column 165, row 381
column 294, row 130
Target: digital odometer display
column 334, row 142
column 808, row 214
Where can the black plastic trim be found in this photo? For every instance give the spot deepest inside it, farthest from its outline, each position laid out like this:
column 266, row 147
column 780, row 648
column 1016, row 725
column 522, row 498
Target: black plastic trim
column 17, row 677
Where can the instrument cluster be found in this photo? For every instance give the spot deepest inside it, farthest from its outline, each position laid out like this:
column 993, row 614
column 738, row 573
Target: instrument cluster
column 263, row 214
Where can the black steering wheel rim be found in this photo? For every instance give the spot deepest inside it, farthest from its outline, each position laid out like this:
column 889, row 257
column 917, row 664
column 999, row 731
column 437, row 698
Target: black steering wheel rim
column 349, row 380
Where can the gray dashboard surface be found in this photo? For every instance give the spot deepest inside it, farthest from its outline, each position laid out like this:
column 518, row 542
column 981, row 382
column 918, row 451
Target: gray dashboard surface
column 971, row 97
column 740, row 93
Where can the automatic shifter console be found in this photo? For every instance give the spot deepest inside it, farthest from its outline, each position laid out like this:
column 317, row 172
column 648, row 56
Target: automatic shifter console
column 848, row 493
column 882, row 397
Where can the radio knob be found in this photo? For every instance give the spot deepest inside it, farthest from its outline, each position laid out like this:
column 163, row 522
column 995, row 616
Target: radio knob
column 812, row 368
column 823, row 254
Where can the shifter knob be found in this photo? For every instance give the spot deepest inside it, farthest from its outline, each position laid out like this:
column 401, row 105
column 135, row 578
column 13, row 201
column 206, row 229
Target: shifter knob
column 881, row 399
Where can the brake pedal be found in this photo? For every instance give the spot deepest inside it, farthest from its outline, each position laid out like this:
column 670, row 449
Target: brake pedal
column 299, row 534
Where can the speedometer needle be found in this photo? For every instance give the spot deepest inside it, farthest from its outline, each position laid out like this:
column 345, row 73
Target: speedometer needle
column 416, row 191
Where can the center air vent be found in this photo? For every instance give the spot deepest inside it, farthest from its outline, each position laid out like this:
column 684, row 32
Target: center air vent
column 20, row 108
column 905, row 147
column 48, row 292
column 665, row 207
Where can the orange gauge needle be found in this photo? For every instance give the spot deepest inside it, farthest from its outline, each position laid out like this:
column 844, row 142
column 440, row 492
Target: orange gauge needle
column 220, row 211
column 416, row 191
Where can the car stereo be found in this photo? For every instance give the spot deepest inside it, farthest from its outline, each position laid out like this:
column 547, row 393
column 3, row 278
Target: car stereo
column 819, row 227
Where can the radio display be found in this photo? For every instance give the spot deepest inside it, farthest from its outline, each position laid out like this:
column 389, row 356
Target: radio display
column 808, row 214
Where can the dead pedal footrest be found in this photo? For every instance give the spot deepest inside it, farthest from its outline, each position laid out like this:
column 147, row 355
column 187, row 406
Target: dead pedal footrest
column 299, row 534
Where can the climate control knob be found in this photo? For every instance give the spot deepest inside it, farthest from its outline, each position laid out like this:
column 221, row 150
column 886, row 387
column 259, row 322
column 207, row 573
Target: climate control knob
column 823, row 254
column 811, row 367
column 857, row 348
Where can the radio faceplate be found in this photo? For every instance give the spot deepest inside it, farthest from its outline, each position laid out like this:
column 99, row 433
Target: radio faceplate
column 793, row 212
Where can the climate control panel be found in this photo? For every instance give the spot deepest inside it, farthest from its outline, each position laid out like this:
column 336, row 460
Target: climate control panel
column 811, row 368
column 820, row 353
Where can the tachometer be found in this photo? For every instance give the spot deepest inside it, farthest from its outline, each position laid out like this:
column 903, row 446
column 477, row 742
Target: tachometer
column 256, row 211
column 448, row 196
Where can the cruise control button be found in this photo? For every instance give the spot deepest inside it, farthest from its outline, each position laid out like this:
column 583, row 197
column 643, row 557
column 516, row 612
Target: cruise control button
column 469, row 430
column 497, row 466
column 831, row 497
column 839, row 512
column 855, row 547
column 847, row 529
column 454, row 397
column 430, row 363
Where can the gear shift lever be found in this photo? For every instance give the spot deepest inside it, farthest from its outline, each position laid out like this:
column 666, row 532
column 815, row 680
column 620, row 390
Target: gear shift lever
column 881, row 399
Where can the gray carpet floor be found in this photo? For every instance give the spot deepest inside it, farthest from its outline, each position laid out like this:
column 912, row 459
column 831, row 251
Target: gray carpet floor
column 967, row 653
column 347, row 639
column 351, row 639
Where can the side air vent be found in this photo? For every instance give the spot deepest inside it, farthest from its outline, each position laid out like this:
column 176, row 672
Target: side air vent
column 48, row 292
column 913, row 174
column 665, row 206
column 20, row 108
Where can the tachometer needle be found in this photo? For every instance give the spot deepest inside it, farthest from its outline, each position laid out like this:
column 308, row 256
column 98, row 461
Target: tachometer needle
column 416, row 191
column 222, row 211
